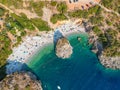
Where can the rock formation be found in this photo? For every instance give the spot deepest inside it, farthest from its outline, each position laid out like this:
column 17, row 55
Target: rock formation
column 63, row 48
column 20, row 81
column 110, row 62
column 106, row 61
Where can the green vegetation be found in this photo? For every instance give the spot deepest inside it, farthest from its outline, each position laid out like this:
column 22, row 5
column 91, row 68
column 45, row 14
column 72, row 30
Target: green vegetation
column 109, row 41
column 62, row 7
column 111, row 4
column 2, row 11
column 96, row 19
column 111, row 35
column 27, row 87
column 16, row 87
column 96, row 30
column 9, row 3
column 23, row 21
column 78, row 14
column 5, row 50
column 96, row 10
column 109, row 22
column 101, row 36
column 37, row 6
column 58, row 17
column 113, row 50
column 40, row 24
column 18, row 23
column 101, row 19
column 53, row 3
column 107, row 3
column 96, row 16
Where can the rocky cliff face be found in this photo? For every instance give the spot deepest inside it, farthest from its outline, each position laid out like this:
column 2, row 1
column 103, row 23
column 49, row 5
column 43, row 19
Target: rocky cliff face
column 63, row 48
column 20, row 81
column 110, row 62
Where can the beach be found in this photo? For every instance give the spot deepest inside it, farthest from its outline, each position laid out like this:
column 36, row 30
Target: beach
column 32, row 44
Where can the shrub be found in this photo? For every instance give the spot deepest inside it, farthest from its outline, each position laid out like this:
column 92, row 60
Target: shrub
column 96, row 30
column 53, row 3
column 38, row 7
column 57, row 17
column 40, row 24
column 2, row 11
column 62, row 7
column 23, row 21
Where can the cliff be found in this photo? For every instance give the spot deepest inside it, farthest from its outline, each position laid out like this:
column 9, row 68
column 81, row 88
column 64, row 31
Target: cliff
column 63, row 48
column 20, row 81
column 106, row 61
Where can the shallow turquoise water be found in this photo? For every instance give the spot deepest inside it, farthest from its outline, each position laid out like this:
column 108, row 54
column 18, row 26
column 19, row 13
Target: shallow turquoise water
column 82, row 71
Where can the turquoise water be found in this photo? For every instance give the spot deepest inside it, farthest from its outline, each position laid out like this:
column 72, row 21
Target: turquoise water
column 82, row 71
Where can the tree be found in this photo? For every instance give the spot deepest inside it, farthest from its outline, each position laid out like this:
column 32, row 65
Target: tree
column 40, row 24
column 57, row 17
column 53, row 3
column 62, row 7
column 2, row 11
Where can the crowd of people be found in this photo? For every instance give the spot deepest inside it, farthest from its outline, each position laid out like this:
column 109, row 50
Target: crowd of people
column 31, row 44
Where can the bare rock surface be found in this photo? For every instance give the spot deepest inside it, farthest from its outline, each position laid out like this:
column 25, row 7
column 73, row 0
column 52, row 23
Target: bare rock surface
column 110, row 62
column 63, row 48
column 20, row 81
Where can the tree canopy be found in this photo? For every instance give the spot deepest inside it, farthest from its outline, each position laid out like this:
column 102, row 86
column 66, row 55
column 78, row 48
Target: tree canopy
column 62, row 7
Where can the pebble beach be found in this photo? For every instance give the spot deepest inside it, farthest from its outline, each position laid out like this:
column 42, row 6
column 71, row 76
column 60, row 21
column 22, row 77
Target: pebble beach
column 31, row 44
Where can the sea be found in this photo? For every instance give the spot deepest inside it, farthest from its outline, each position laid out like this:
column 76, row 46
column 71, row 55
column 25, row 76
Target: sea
column 81, row 71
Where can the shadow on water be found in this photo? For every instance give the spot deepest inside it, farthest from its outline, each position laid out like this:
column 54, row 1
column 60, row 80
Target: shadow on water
column 57, row 36
column 2, row 72
column 15, row 66
column 84, row 70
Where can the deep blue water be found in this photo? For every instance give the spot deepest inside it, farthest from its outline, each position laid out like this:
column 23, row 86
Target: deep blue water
column 82, row 71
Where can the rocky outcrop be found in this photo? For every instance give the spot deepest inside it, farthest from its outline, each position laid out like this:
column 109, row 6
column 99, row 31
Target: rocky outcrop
column 110, row 62
column 63, row 48
column 97, row 48
column 20, row 81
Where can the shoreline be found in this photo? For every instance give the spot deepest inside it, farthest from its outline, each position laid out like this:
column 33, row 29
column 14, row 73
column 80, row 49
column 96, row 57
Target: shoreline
column 36, row 52
column 32, row 44
column 110, row 62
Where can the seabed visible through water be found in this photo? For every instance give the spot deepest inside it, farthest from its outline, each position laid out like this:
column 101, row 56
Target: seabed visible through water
column 82, row 71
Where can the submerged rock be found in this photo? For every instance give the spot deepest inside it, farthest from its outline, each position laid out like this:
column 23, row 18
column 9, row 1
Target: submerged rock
column 63, row 48
column 78, row 38
column 20, row 81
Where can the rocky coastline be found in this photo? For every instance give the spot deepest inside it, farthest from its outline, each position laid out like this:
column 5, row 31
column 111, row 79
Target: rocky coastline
column 97, row 48
column 110, row 62
column 20, row 81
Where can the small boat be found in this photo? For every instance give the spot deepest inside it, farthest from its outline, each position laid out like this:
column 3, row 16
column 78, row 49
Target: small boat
column 59, row 88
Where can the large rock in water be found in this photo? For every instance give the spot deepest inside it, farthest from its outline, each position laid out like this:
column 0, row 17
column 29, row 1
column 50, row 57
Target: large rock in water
column 20, row 81
column 63, row 48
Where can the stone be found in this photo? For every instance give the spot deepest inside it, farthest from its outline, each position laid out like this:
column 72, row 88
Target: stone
column 63, row 48
column 20, row 81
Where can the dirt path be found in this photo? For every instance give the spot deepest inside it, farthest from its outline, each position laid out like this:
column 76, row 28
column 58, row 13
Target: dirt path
column 17, row 13
column 2, row 5
column 47, row 14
